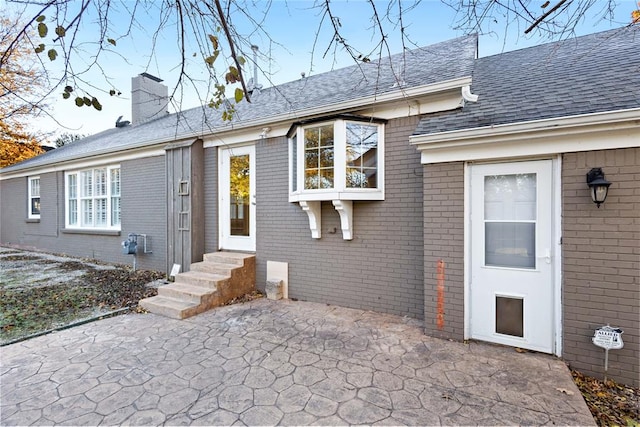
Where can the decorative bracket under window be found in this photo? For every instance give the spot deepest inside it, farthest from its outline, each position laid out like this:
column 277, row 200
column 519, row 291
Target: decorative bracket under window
column 345, row 210
column 313, row 210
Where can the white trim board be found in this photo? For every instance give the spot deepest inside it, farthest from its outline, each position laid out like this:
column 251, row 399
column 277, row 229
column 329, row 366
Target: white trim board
column 598, row 131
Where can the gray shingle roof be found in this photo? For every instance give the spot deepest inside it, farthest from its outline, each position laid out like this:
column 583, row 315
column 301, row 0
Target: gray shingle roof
column 432, row 64
column 595, row 73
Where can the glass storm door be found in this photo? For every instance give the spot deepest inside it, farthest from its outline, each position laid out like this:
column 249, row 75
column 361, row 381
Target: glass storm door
column 237, row 199
column 511, row 286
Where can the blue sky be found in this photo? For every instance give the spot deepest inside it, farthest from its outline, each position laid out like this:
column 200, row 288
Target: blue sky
column 294, row 28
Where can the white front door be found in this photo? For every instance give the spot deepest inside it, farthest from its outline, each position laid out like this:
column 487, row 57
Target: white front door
column 237, row 198
column 511, row 284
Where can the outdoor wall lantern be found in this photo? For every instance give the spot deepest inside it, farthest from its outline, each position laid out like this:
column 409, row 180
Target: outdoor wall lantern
column 598, row 185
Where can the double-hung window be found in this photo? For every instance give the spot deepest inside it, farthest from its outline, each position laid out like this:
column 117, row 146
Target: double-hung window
column 33, row 206
column 339, row 159
column 93, row 198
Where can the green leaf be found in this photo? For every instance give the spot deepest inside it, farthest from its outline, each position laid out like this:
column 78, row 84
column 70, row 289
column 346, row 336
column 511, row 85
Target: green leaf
column 96, row 104
column 40, row 18
column 79, row 101
column 239, row 94
column 112, row 41
column 87, row 101
column 66, row 95
column 60, row 31
column 40, row 48
column 52, row 54
column 241, row 60
column 42, row 29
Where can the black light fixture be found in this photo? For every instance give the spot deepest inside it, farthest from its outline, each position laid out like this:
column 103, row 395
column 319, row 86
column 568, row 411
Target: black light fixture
column 598, row 185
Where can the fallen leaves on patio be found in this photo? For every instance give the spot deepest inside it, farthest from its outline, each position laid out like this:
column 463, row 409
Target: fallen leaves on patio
column 610, row 403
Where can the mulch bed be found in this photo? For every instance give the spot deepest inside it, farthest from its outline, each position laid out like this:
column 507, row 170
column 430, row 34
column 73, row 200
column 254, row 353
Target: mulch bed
column 610, row 403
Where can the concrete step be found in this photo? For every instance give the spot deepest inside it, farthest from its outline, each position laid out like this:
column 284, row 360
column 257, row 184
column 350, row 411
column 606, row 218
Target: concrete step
column 214, row 267
column 189, row 293
column 202, row 279
column 236, row 258
column 169, row 307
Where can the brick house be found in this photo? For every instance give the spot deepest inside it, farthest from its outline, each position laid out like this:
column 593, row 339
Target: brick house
column 434, row 184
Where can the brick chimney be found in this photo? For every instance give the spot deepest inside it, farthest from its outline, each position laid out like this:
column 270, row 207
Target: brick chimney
column 149, row 98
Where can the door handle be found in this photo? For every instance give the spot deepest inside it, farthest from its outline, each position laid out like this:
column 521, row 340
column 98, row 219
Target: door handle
column 547, row 256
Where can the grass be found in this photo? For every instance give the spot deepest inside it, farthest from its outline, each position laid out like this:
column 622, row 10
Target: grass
column 29, row 310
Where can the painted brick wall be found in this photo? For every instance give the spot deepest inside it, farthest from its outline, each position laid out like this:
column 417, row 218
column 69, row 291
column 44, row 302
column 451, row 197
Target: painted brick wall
column 601, row 257
column 143, row 211
column 381, row 268
column 444, row 241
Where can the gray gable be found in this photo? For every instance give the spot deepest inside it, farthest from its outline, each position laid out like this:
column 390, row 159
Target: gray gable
column 590, row 74
column 432, row 64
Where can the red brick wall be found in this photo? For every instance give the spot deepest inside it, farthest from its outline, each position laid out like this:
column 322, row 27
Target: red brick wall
column 601, row 262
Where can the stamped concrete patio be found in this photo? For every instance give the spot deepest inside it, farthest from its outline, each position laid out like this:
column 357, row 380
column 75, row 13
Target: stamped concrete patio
column 278, row 362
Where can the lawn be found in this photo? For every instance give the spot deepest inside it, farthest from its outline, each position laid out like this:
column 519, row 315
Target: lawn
column 40, row 292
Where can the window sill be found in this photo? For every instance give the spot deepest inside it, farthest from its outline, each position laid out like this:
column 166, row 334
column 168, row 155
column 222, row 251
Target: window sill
column 32, row 220
column 325, row 196
column 91, row 231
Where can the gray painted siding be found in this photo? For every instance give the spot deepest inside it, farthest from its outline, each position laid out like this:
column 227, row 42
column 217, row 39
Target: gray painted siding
column 381, row 268
column 444, row 240
column 143, row 196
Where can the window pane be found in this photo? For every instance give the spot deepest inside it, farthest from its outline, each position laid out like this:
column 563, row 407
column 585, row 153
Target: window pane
column 100, row 212
column 362, row 155
column 115, row 211
column 86, row 189
column 73, row 186
column 115, row 182
column 510, row 197
column 510, row 244
column 73, row 212
column 35, row 187
column 101, row 182
column 239, row 189
column 35, row 206
column 319, row 157
column 87, row 213
column 294, row 164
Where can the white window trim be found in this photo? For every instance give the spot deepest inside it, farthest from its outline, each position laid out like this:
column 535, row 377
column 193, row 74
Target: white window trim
column 30, row 196
column 341, row 196
column 108, row 196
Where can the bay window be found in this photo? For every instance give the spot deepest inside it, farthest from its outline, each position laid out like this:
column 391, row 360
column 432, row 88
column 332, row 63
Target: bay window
column 341, row 159
column 338, row 160
column 92, row 198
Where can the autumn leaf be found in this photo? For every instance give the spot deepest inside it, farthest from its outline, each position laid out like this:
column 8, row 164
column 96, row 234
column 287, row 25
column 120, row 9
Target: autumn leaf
column 60, row 31
column 42, row 29
column 239, row 94
column 53, row 54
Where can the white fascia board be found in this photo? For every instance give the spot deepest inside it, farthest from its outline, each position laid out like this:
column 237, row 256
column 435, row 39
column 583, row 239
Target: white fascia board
column 86, row 162
column 251, row 130
column 595, row 131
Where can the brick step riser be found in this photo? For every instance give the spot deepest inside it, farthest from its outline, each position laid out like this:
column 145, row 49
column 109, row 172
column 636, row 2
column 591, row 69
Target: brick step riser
column 202, row 282
column 185, row 295
column 217, row 257
column 210, row 267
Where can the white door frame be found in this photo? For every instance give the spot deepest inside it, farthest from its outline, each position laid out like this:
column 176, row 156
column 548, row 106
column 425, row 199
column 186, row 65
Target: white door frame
column 557, row 245
column 225, row 240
